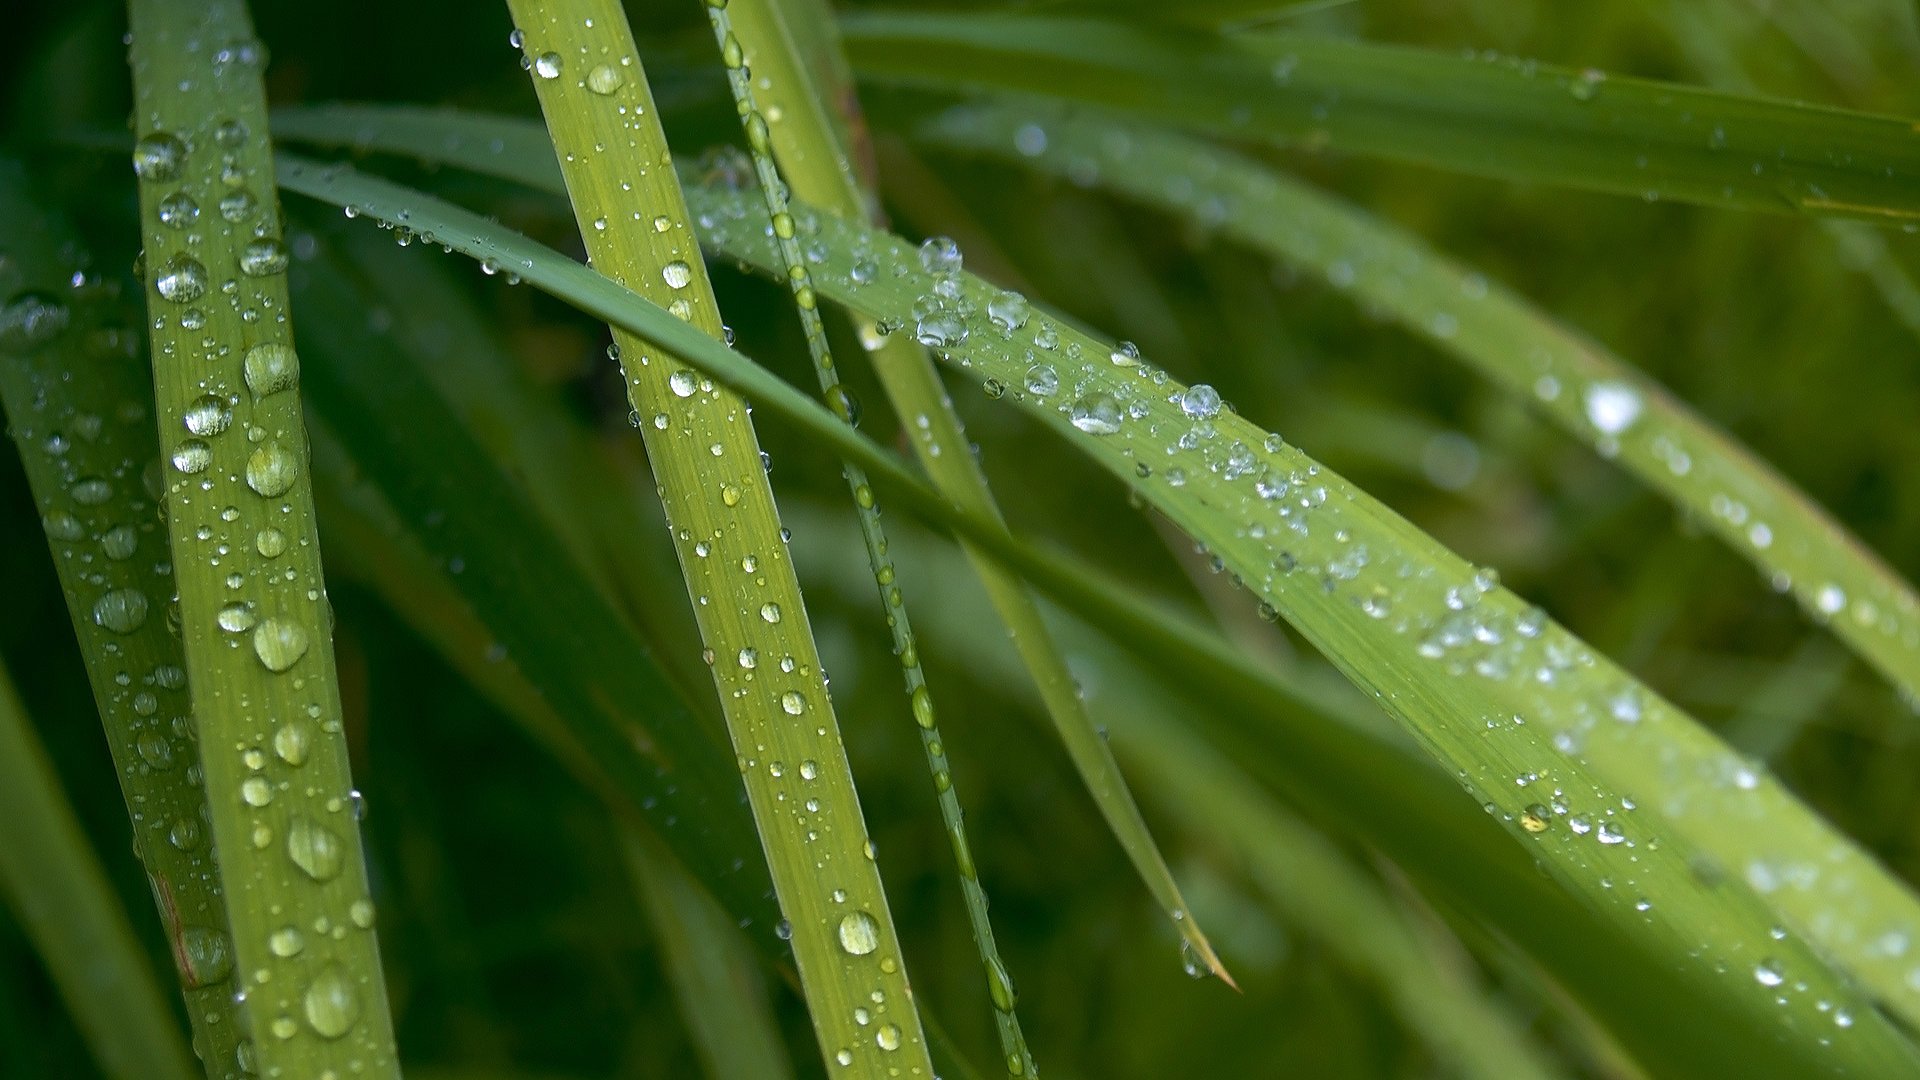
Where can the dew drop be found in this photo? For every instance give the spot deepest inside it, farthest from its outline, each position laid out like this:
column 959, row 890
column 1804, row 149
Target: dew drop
column 237, row 617
column 770, row 612
column 547, row 65
column 157, row 157
column 1096, row 414
column 292, row 741
column 122, row 611
column 940, row 255
column 1612, row 407
column 262, row 257
column 1768, row 973
column 604, row 79
column 677, row 274
column 887, row 1037
column 315, row 849
column 859, row 934
column 792, row 703
column 286, row 942
column 209, row 414
column 279, row 643
column 330, row 1003
column 206, row 957
column 271, row 470
column 1202, row 402
column 178, row 210
column 192, row 456
column 181, row 279
column 270, row 367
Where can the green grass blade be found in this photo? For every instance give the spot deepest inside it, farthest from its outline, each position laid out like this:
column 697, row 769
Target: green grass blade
column 253, row 612
column 51, row 879
column 715, row 978
column 605, row 131
column 1013, row 1043
column 1685, row 856
column 820, row 171
column 111, row 559
column 1503, row 118
column 1576, row 383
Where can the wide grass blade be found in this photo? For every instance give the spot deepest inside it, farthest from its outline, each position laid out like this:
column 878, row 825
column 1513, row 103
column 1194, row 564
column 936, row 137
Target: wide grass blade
column 254, row 617
column 873, row 537
column 606, row 133
column 1575, row 382
column 1588, row 723
column 57, row 888
column 1487, row 116
column 88, row 447
column 819, row 166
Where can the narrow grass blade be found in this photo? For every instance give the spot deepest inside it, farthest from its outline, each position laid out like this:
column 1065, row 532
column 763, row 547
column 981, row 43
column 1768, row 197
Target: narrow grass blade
column 54, row 884
column 818, row 169
column 1501, row 117
column 253, row 612
column 1590, row 726
column 89, row 450
column 1013, row 1043
column 715, row 978
column 1576, row 383
column 605, row 131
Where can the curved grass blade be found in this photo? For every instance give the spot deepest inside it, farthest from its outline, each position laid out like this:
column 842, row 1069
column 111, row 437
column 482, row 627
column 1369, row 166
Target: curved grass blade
column 1502, row 118
column 53, row 882
column 606, row 133
column 1013, row 1043
column 818, row 168
column 1714, row 931
column 1586, row 390
column 253, row 613
column 89, row 450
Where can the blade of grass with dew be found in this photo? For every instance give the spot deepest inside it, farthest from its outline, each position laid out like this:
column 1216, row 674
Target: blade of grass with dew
column 89, row 450
column 1013, row 1043
column 722, row 999
column 1586, row 390
column 614, row 156
column 1496, row 117
column 817, row 166
column 253, row 612
column 1714, row 929
column 1309, row 882
column 497, row 619
column 56, row 886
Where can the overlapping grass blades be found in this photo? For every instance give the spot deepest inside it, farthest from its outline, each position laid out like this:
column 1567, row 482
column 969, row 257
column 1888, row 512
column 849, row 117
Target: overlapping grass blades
column 873, row 537
column 1583, row 731
column 90, row 454
column 818, row 160
column 606, row 133
column 254, row 617
column 1578, row 384
column 1485, row 115
column 57, row 889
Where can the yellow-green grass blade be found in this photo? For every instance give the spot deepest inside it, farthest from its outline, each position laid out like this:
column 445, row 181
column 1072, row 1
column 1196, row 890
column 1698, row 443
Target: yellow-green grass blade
column 715, row 977
column 1493, row 116
column 60, row 893
column 254, row 618
column 773, row 189
column 78, row 400
column 1575, row 382
column 819, row 169
column 1587, row 722
column 627, row 201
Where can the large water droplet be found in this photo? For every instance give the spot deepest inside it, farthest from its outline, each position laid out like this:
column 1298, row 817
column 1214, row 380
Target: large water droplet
column 292, row 741
column 279, row 643
column 178, row 210
column 192, row 456
column 264, row 256
column 547, row 65
column 122, row 611
column 859, row 934
column 209, row 414
column 677, row 274
column 315, row 849
column 330, row 1003
column 181, row 279
column 940, row 255
column 271, row 470
column 271, row 367
column 1202, row 402
column 1096, row 414
column 206, row 957
column 1612, row 407
column 286, row 942
column 157, row 157
column 604, row 79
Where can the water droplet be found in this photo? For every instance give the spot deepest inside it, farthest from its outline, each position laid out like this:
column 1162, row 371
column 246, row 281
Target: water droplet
column 31, row 320
column 604, row 79
column 271, row 470
column 1612, row 407
column 184, row 834
column 1000, row 985
column 279, row 643
column 157, row 157
column 770, row 612
column 677, row 274
column 1096, row 414
column 1042, row 380
column 206, row 957
column 1830, row 599
column 122, row 611
column 315, row 849
column 255, row 791
column 940, row 255
column 330, row 1004
column 1202, row 402
column 1768, row 973
column 292, row 740
column 1009, row 311
column 286, row 942
column 271, row 367
column 90, row 491
column 209, row 414
column 547, row 65
column 264, row 256
column 792, row 703
column 360, row 913
column 1535, row 818
column 192, row 456
column 178, row 210
column 923, row 707
column 683, row 383
column 237, row 617
column 237, row 206
column 181, row 279
column 270, row 543
column 887, row 1037
column 859, row 934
